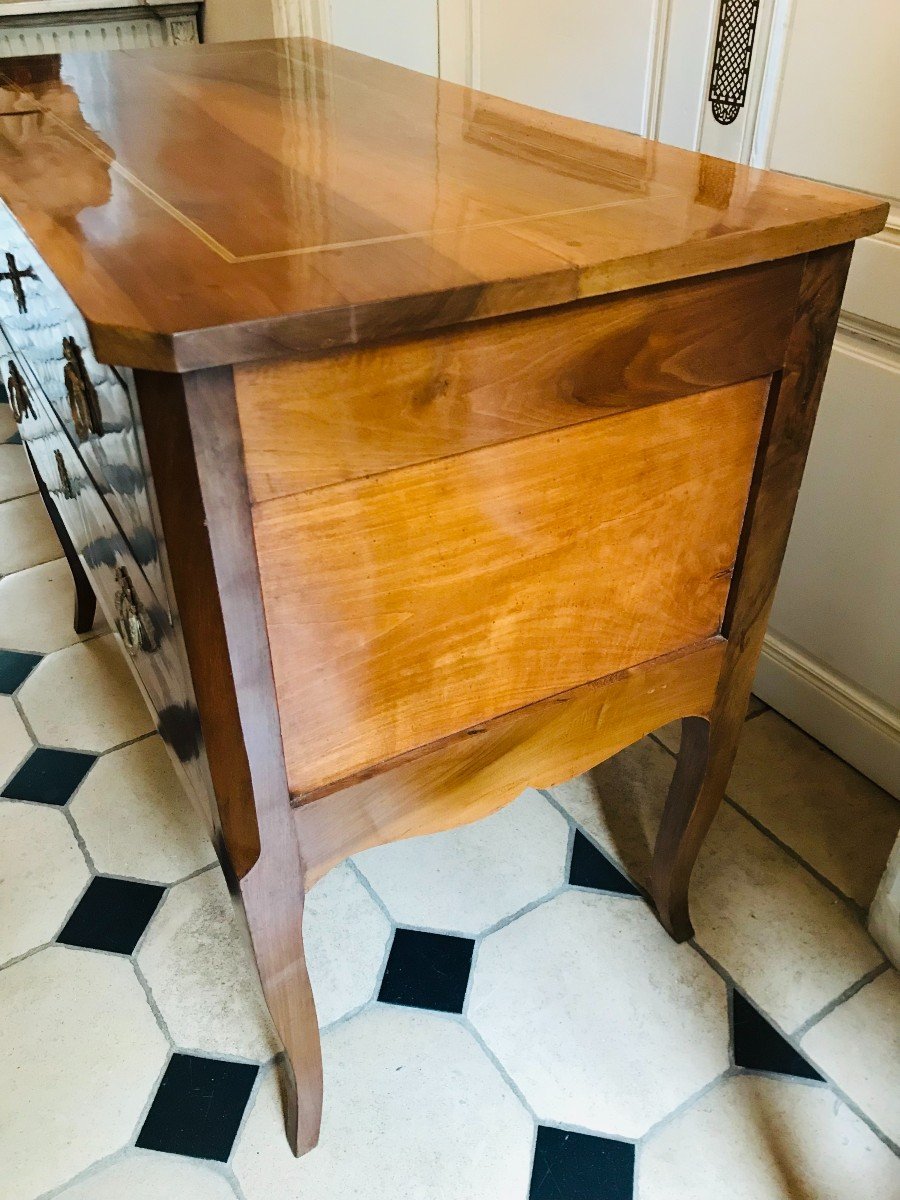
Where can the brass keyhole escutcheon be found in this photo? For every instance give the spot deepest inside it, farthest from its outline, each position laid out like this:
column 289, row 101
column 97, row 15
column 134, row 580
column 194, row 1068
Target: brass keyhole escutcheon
column 19, row 400
column 65, row 482
column 83, row 400
column 132, row 620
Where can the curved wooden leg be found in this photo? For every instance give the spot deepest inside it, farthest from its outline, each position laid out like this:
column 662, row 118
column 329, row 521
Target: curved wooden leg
column 698, row 787
column 85, row 600
column 272, row 896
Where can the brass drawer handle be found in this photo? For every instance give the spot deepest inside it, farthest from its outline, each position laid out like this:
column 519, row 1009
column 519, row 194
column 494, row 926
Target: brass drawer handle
column 83, row 399
column 19, row 400
column 65, row 483
column 132, row 619
column 15, row 277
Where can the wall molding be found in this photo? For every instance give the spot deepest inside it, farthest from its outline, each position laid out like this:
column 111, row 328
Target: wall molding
column 302, row 18
column 655, row 82
column 854, row 724
column 880, row 343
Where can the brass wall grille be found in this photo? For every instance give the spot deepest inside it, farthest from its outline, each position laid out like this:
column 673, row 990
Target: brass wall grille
column 731, row 62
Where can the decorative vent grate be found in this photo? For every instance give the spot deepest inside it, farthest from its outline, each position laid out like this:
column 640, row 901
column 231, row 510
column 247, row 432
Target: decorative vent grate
column 731, row 63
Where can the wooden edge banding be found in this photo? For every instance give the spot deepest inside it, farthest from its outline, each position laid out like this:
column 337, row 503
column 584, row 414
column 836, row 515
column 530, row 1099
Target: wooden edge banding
column 545, row 744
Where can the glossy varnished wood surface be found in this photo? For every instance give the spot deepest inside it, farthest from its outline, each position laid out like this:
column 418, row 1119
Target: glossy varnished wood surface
column 406, row 607
column 311, row 422
column 224, row 203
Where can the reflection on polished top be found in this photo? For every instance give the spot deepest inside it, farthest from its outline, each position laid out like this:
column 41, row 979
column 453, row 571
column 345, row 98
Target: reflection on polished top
column 216, row 203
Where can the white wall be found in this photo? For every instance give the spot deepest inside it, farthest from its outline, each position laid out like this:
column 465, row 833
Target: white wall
column 833, row 658
column 400, row 31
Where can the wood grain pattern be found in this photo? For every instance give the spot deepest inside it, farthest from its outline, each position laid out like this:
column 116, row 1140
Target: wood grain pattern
column 412, row 605
column 311, row 422
column 363, row 202
column 271, row 893
column 539, row 746
column 709, row 746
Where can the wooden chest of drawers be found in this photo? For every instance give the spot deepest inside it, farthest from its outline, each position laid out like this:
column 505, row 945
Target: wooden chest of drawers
column 419, row 446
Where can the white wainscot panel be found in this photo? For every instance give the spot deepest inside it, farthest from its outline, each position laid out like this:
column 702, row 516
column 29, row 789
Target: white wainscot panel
column 873, row 289
column 839, row 112
column 838, row 591
column 593, row 59
column 399, row 31
column 830, row 658
column 686, row 77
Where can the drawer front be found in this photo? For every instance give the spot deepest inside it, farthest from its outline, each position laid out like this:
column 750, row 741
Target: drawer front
column 55, row 460
column 411, row 606
column 91, row 400
column 129, row 604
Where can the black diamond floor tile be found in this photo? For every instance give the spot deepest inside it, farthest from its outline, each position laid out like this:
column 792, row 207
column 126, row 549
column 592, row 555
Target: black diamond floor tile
column 111, row 915
column 49, row 776
column 427, row 970
column 591, row 869
column 760, row 1047
column 15, row 667
column 15, row 440
column 198, row 1107
column 577, row 1166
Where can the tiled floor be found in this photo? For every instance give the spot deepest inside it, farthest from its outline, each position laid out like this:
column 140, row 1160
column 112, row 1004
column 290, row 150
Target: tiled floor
column 503, row 1018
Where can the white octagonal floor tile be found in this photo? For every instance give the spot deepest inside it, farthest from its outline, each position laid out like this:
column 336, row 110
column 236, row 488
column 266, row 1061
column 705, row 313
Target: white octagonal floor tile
column 414, row 1110
column 84, row 697
column 42, row 874
column 136, row 819
column 79, row 1057
column 200, row 973
column 468, row 879
column 599, row 1017
column 15, row 742
column 26, row 535
column 858, row 1046
column 345, row 937
column 37, row 609
column 752, row 1138
column 144, row 1175
column 16, row 478
column 786, row 940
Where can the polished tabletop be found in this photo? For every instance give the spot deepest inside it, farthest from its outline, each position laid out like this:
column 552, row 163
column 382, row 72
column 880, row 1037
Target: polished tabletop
column 219, row 203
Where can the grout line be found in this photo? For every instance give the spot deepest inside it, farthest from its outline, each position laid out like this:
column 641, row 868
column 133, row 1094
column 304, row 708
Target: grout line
column 27, row 954
column 145, row 1109
column 364, row 880
column 273, row 1066
column 856, row 908
column 76, row 833
column 845, row 995
column 794, row 1042
column 86, row 1173
column 687, row 1103
column 151, row 1000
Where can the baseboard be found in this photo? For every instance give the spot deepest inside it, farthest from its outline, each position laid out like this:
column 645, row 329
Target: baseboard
column 855, row 725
